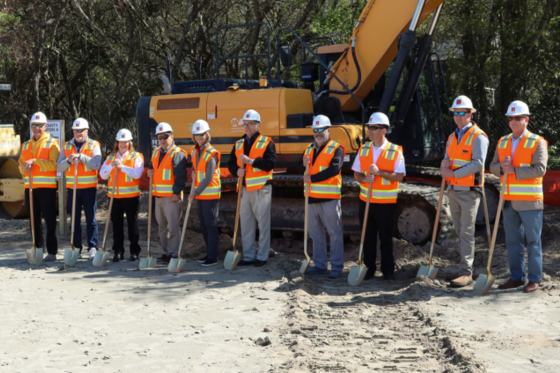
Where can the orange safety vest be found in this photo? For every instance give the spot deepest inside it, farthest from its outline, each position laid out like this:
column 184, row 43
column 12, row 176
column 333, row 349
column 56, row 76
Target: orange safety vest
column 255, row 178
column 383, row 190
column 521, row 190
column 164, row 178
column 41, row 178
column 87, row 178
column 214, row 189
column 330, row 188
column 127, row 186
column 460, row 155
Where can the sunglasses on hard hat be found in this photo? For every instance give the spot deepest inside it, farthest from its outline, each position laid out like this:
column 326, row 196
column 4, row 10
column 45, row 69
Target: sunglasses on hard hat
column 79, row 131
column 460, row 113
column 518, row 119
column 319, row 130
column 37, row 125
column 163, row 137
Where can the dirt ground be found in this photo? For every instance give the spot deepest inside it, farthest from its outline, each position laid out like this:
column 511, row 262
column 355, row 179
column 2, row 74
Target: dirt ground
column 120, row 319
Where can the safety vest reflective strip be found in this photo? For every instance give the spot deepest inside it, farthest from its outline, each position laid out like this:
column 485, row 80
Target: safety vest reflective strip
column 325, row 189
column 211, row 191
column 524, row 189
column 255, row 178
column 214, row 189
column 330, row 188
column 379, row 194
column 87, row 178
column 41, row 178
column 460, row 154
column 383, row 190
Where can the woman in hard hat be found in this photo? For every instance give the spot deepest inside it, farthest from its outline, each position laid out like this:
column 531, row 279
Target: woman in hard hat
column 127, row 191
column 206, row 178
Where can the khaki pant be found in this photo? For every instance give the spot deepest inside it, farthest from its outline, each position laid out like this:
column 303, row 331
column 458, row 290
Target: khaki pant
column 168, row 216
column 255, row 211
column 464, row 207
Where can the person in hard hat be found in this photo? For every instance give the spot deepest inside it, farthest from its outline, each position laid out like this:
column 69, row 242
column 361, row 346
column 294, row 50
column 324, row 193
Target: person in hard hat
column 208, row 188
column 523, row 157
column 463, row 168
column 325, row 158
column 381, row 163
column 84, row 153
column 254, row 156
column 38, row 157
column 168, row 167
column 127, row 192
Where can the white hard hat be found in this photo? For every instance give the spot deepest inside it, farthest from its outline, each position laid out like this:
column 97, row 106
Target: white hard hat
column 163, row 127
column 250, row 116
column 38, row 117
column 518, row 108
column 462, row 102
column 124, row 135
column 199, row 127
column 80, row 124
column 321, row 121
column 378, row 118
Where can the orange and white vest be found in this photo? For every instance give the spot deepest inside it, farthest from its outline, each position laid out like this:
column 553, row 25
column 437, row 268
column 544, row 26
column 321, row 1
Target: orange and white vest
column 164, row 178
column 330, row 188
column 214, row 189
column 460, row 155
column 41, row 178
column 521, row 190
column 87, row 178
column 255, row 178
column 126, row 186
column 383, row 190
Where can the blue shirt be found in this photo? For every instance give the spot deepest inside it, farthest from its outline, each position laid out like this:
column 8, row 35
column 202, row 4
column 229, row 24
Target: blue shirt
column 460, row 132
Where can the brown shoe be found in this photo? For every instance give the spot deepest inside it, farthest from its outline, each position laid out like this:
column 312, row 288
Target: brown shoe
column 462, row 281
column 510, row 284
column 531, row 287
column 452, row 276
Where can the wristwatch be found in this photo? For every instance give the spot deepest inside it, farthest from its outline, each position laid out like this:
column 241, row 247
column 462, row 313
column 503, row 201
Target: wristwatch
column 251, row 161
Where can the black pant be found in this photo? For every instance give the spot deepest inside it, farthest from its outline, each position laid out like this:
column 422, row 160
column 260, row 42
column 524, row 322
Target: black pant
column 44, row 205
column 380, row 220
column 128, row 206
column 208, row 216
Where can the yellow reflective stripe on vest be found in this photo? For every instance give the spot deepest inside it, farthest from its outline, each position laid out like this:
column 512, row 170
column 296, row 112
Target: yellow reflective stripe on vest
column 166, row 174
column 258, row 180
column 325, row 189
column 211, row 191
column 26, row 145
column 163, row 188
column 331, row 147
column 308, row 149
column 391, row 152
column 238, row 144
column 380, row 194
column 524, row 189
column 503, row 143
column 127, row 190
column 260, row 142
column 365, row 149
column 530, row 141
column 460, row 162
column 42, row 180
column 385, row 181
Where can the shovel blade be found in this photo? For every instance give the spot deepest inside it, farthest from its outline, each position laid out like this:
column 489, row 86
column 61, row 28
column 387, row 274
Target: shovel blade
column 231, row 260
column 432, row 272
column 149, row 262
column 304, row 266
column 422, row 271
column 71, row 256
column 100, row 258
column 180, row 264
column 357, row 275
column 172, row 266
column 483, row 284
column 30, row 256
column 34, row 257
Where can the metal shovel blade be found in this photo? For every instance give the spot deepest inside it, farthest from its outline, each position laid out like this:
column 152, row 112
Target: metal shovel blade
column 30, row 256
column 483, row 284
column 34, row 256
column 71, row 256
column 147, row 262
column 180, row 264
column 231, row 260
column 428, row 271
column 357, row 275
column 100, row 258
column 304, row 266
column 172, row 266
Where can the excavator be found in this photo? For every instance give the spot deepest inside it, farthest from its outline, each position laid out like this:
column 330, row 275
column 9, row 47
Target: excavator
column 386, row 66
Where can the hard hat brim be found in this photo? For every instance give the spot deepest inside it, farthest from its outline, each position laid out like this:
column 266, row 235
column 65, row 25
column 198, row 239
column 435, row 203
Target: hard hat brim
column 379, row 124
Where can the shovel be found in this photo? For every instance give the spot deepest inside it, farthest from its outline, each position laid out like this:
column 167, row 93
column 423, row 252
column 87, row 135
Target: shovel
column 176, row 265
column 150, row 261
column 307, row 259
column 34, row 255
column 71, row 254
column 357, row 274
column 484, row 282
column 430, row 271
column 101, row 257
column 233, row 257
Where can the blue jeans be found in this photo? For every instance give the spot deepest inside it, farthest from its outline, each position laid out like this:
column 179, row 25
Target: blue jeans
column 87, row 199
column 521, row 226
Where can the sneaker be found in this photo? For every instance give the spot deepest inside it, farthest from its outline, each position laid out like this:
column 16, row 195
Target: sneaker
column 133, row 258
column 246, row 263
column 202, row 260
column 208, row 263
column 462, row 281
column 316, row 271
column 164, row 258
column 92, row 252
column 50, row 258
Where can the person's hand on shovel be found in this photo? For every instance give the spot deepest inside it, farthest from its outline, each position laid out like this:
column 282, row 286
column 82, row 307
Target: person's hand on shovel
column 117, row 163
column 74, row 158
column 28, row 165
column 507, row 167
column 191, row 198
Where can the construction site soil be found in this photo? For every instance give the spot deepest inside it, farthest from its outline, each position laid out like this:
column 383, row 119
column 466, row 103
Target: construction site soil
column 270, row 319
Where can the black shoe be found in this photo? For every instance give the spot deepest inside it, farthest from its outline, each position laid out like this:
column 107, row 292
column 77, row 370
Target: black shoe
column 369, row 274
column 202, row 260
column 164, row 258
column 208, row 263
column 133, row 258
column 116, row 258
column 259, row 263
column 245, row 263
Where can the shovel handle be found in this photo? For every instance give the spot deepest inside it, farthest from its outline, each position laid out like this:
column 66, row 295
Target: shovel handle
column 308, row 187
column 31, row 214
column 185, row 223
column 438, row 213
column 486, row 218
column 366, row 214
column 73, row 206
column 108, row 219
column 236, row 225
column 497, row 222
column 150, row 216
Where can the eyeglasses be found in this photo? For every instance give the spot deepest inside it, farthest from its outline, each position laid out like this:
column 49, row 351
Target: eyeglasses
column 460, row 113
column 518, row 119
column 79, row 131
column 250, row 123
column 200, row 134
column 375, row 128
column 37, row 125
column 163, row 137
column 319, row 130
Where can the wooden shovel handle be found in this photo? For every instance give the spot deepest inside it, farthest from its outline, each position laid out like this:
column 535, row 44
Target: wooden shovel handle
column 31, row 214
column 236, row 225
column 73, row 206
column 497, row 223
column 438, row 213
column 366, row 214
column 185, row 222
column 150, row 215
column 308, row 186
